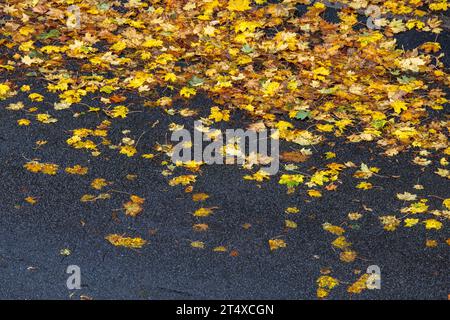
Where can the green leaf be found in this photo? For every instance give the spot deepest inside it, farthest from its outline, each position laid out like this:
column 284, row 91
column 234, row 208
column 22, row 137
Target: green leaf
column 327, row 90
column 107, row 89
column 378, row 124
column 35, row 54
column 103, row 6
column 196, row 81
column 246, row 48
column 51, row 34
column 303, row 114
column 405, row 79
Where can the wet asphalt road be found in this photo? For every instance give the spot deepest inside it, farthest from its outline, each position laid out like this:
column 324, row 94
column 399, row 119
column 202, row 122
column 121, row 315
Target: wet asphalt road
column 31, row 237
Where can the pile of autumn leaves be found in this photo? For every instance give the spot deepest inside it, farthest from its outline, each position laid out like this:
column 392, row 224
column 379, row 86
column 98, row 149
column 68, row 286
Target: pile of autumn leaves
column 257, row 57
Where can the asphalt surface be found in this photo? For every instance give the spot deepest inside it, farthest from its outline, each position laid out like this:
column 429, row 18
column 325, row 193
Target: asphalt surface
column 31, row 236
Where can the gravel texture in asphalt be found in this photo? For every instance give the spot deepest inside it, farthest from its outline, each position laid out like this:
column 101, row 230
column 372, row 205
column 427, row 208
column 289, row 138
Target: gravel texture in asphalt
column 32, row 236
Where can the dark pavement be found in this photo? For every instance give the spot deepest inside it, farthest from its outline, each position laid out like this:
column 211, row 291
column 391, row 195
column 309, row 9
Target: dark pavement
column 31, row 236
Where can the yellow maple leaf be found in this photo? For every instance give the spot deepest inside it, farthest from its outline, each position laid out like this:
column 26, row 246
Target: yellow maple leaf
column 119, row 111
column 217, row 115
column 390, row 223
column 183, row 180
column 150, row 43
column 170, row 77
column 148, row 156
column 330, row 155
column 275, row 244
column 431, row 243
column 26, row 30
column 46, row 168
column 410, row 222
column 220, row 249
column 26, row 46
column 90, row 197
column 31, row 200
column 65, row 252
column 322, row 293
column 200, row 227
column 416, row 207
column 198, row 244
column 203, row 212
column 446, row 203
column 440, row 5
column 259, row 176
column 118, row 46
column 128, row 150
column 121, row 241
column 187, row 92
column 399, row 106
column 23, row 122
column 354, row 215
column 270, row 87
column 77, row 169
column 327, row 282
column 4, row 90
column 45, row 118
column 320, row 73
column 364, row 185
column 336, row 230
column 36, row 97
column 341, row 243
column 325, row 127
column 199, row 197
column 319, row 178
column 284, row 125
column 359, row 285
column 348, row 256
column 134, row 206
column 99, row 183
column 238, row 5
column 209, row 31
column 292, row 210
column 291, row 180
column 412, row 64
column 431, row 47
column 406, row 196
column 314, row 193
column 433, row 224
column 290, row 224
column 33, row 166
